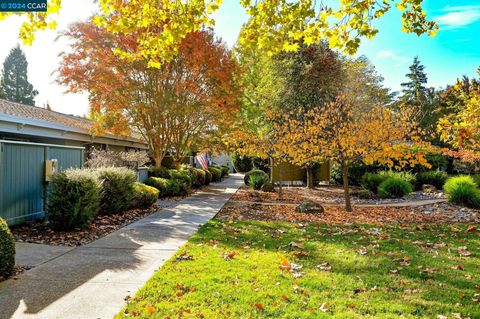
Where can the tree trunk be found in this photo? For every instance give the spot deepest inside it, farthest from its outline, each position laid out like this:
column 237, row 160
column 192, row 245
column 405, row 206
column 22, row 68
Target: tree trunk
column 158, row 160
column 280, row 189
column 346, row 188
column 309, row 177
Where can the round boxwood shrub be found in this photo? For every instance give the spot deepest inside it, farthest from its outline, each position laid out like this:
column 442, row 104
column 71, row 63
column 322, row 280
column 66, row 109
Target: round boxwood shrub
column 241, row 164
column 371, row 181
column 216, row 173
column 144, row 195
column 117, row 186
column 208, row 177
column 394, row 187
column 7, row 250
column 166, row 187
column 183, row 177
column 158, row 172
column 462, row 190
column 73, row 198
column 256, row 181
column 247, row 176
column 199, row 174
column 435, row 178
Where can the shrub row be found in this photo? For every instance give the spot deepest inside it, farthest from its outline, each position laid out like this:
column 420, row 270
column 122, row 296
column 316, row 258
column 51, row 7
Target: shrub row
column 75, row 196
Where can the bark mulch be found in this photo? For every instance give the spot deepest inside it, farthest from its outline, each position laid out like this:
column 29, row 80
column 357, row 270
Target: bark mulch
column 338, row 215
column 41, row 233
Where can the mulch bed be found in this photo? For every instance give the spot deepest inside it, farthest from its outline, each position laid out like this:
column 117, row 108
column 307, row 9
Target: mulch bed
column 338, row 215
column 42, row 233
column 290, row 195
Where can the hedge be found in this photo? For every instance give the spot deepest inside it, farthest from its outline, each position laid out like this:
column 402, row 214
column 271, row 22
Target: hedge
column 73, row 199
column 208, row 177
column 117, row 185
column 216, row 173
column 144, row 195
column 166, row 187
column 7, row 250
column 435, row 178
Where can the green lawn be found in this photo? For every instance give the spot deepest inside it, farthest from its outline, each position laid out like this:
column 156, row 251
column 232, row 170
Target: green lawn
column 235, row 270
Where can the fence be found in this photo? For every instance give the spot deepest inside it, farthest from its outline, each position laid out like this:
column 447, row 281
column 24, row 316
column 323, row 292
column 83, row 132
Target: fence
column 22, row 177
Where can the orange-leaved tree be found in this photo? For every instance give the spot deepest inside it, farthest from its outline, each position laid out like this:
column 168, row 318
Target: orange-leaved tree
column 346, row 133
column 178, row 107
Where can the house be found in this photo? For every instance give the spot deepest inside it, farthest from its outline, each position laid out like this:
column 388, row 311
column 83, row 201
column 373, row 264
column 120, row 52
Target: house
column 35, row 143
column 19, row 122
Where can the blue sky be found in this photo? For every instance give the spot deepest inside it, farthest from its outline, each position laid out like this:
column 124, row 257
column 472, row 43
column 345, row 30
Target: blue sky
column 453, row 52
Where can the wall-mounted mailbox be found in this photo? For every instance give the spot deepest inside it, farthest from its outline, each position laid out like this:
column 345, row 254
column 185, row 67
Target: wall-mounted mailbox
column 51, row 167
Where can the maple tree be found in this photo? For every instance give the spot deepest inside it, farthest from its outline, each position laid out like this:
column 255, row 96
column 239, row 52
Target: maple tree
column 346, row 133
column 274, row 25
column 176, row 108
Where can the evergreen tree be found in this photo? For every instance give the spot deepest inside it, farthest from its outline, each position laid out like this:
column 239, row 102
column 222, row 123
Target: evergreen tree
column 15, row 85
column 418, row 98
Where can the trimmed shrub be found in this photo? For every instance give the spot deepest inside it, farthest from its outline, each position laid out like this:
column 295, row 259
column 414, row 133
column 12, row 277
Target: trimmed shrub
column 144, row 195
column 256, row 181
column 403, row 175
column 117, row 186
column 216, row 173
column 208, row 177
column 199, row 174
column 7, row 250
column 162, row 172
column 183, row 177
column 435, row 178
column 241, row 164
column 73, row 199
column 462, row 190
column 167, row 187
column 394, row 187
column 225, row 170
column 247, row 176
column 371, row 181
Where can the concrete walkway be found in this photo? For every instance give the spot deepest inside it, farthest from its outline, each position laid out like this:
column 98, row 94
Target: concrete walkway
column 92, row 281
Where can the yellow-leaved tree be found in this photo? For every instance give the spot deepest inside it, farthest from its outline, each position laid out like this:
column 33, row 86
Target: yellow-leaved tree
column 346, row 133
column 274, row 25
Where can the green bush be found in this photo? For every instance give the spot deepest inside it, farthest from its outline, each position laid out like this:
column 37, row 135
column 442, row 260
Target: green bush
column 241, row 164
column 225, row 170
column 476, row 179
column 261, row 164
column 462, row 190
column 144, row 195
column 73, row 198
column 167, row 187
column 183, row 177
column 403, row 175
column 200, row 176
column 162, row 172
column 247, row 176
column 355, row 172
column 371, row 181
column 117, row 186
column 435, row 178
column 394, row 187
column 208, row 177
column 7, row 250
column 256, row 181
column 216, row 173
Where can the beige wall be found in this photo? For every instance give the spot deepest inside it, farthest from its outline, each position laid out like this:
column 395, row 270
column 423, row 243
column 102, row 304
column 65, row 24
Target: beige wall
column 290, row 173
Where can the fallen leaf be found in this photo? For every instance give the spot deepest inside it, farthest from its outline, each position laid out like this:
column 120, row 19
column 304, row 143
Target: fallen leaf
column 229, row 256
column 296, row 245
column 458, row 267
column 149, row 310
column 471, row 229
column 324, row 266
column 260, row 306
column 324, row 307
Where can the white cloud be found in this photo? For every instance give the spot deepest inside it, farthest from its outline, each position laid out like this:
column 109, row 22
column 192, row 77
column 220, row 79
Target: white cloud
column 459, row 16
column 391, row 55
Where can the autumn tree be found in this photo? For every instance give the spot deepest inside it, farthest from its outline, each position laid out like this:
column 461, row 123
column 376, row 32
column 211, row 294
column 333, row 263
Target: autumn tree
column 176, row 107
column 274, row 25
column 14, row 83
column 459, row 125
column 347, row 134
